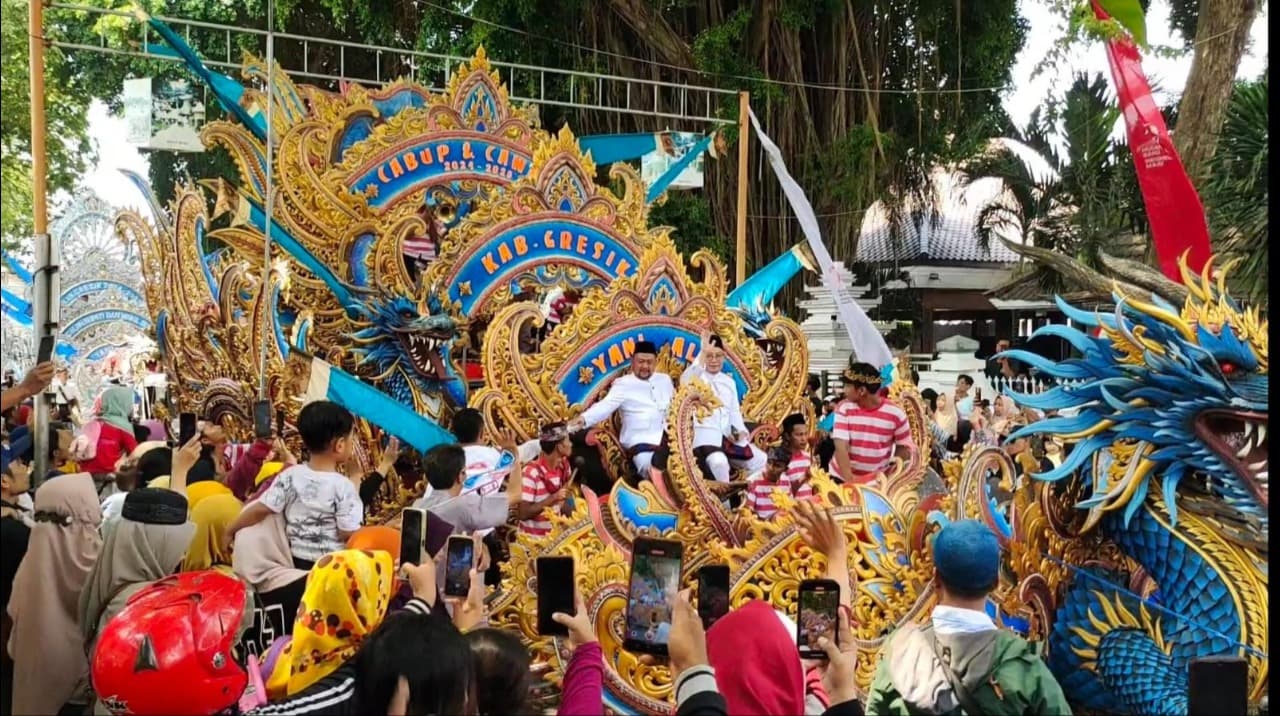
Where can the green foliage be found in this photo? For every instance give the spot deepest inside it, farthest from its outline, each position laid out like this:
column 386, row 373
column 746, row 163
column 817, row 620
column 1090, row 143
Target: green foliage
column 1235, row 189
column 1089, row 202
column 1130, row 15
column 691, row 212
column 67, row 140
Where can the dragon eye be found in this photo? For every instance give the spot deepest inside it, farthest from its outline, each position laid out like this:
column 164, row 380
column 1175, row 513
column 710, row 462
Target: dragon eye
column 1228, row 368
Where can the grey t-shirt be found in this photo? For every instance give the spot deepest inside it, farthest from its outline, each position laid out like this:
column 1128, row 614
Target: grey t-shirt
column 470, row 512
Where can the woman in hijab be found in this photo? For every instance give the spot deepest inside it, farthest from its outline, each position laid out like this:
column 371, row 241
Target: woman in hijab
column 348, row 594
column 198, row 492
column 211, row 516
column 47, row 644
column 115, row 436
column 945, row 414
column 262, row 559
column 146, row 544
column 757, row 665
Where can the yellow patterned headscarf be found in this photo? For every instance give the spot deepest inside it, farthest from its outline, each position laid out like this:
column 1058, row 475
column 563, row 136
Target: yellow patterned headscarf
column 347, row 595
column 212, row 517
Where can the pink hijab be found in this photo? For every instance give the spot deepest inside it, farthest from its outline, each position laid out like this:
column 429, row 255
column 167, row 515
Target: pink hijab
column 756, row 662
column 50, row 666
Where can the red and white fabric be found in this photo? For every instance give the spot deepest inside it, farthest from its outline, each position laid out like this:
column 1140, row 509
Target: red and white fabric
column 872, row 436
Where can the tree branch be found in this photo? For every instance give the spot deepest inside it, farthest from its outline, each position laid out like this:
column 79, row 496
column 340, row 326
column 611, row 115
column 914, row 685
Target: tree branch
column 648, row 23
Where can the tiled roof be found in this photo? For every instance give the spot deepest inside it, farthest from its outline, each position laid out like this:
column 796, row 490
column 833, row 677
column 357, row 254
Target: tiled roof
column 953, row 238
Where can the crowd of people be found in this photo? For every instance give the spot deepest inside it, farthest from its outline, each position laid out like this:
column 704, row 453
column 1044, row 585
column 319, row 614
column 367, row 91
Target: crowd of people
column 209, row 577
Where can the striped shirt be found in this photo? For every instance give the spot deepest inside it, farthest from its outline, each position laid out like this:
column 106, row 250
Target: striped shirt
column 798, row 468
column 539, row 482
column 872, row 436
column 760, row 492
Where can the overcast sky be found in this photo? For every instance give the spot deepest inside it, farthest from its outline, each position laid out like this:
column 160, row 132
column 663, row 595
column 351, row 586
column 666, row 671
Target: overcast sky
column 1168, row 75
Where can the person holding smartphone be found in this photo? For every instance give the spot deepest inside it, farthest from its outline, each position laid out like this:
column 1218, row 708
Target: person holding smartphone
column 32, row 383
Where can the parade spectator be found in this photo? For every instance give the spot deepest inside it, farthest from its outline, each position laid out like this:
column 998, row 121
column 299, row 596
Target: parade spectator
column 960, row 660
column 963, row 400
column 545, row 484
column 51, row 668
column 321, row 506
column 66, row 395
column 445, row 467
column 870, row 431
column 147, row 543
column 109, row 436
column 348, row 594
column 937, row 433
column 261, row 558
column 209, row 548
column 15, row 500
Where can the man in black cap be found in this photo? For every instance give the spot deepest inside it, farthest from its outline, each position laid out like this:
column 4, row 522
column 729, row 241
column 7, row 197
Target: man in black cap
column 644, row 396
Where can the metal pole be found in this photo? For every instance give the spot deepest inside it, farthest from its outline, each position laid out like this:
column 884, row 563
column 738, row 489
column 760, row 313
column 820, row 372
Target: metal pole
column 744, row 104
column 46, row 274
column 271, row 186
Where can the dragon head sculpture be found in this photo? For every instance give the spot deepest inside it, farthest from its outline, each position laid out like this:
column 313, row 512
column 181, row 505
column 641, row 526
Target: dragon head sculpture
column 406, row 344
column 1179, row 397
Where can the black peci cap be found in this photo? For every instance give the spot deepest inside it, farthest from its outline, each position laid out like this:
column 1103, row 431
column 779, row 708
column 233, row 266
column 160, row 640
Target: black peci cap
column 155, row 506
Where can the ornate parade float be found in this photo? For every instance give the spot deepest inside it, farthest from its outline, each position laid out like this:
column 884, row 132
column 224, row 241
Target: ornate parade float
column 516, row 211
column 104, row 322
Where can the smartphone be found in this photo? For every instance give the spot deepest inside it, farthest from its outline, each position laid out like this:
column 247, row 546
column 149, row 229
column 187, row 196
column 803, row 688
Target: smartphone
column 460, row 557
column 262, row 419
column 45, row 352
column 186, row 428
column 555, row 593
column 713, row 593
column 1218, row 685
column 413, row 528
column 655, row 580
column 280, row 422
column 819, row 616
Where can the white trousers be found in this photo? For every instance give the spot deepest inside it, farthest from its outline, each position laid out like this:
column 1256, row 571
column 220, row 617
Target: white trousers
column 719, row 463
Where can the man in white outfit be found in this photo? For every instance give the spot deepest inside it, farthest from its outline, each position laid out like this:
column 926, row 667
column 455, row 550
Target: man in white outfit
column 644, row 396
column 721, row 439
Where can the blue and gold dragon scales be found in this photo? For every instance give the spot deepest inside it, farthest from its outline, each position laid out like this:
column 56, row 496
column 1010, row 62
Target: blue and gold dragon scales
column 1146, row 547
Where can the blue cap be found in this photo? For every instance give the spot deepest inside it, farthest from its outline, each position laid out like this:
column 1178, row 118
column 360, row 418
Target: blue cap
column 967, row 556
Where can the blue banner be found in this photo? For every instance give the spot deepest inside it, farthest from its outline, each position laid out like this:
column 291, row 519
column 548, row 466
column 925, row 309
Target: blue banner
column 93, row 318
column 395, row 172
column 529, row 244
column 83, row 289
column 608, row 353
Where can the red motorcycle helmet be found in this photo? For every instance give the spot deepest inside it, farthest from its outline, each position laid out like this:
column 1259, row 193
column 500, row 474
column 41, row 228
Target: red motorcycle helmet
column 171, row 650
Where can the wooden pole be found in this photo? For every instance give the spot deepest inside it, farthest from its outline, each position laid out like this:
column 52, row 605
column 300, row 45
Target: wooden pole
column 744, row 134
column 45, row 309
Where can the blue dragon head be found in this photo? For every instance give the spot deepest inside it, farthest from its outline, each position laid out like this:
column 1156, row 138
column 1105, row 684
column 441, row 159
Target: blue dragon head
column 405, row 344
column 1174, row 398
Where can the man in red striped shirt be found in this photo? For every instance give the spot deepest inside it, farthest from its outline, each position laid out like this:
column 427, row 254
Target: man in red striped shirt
column 795, row 438
column 774, row 478
column 869, row 431
column 546, row 480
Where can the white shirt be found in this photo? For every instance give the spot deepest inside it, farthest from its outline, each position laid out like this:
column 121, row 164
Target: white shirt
column 64, row 393
column 483, row 473
column 644, row 405
column 113, row 506
column 712, row 430
column 318, row 507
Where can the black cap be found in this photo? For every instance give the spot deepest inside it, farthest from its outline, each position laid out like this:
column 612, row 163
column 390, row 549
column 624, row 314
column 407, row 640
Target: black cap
column 645, row 347
column 155, row 506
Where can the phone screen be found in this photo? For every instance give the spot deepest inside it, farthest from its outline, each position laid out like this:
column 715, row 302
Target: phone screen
column 262, row 419
column 459, row 560
column 280, row 422
column 713, row 593
column 655, row 580
column 45, row 352
column 555, row 593
column 186, row 428
column 412, row 528
column 819, row 616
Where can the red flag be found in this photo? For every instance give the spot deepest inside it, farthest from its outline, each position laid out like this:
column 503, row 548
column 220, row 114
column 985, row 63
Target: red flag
column 1173, row 206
